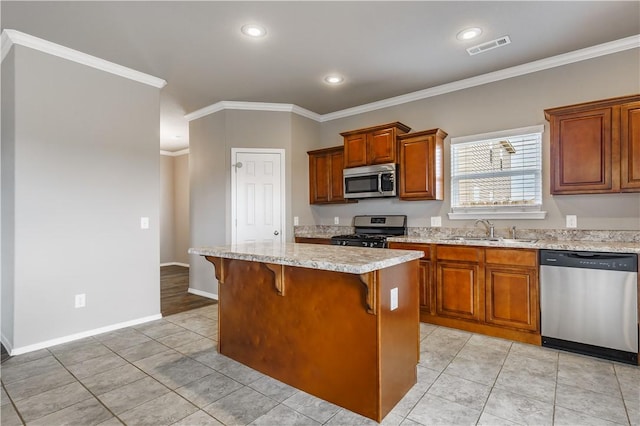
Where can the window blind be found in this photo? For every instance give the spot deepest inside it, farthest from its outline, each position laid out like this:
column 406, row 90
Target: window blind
column 500, row 173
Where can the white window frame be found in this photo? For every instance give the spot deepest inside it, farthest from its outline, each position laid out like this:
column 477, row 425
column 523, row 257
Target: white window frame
column 496, row 212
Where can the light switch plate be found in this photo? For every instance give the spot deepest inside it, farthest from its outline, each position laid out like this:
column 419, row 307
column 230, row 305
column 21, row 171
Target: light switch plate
column 296, row 221
column 572, row 221
column 436, row 221
column 81, row 300
column 144, row 223
column 394, row 298
column 336, row 220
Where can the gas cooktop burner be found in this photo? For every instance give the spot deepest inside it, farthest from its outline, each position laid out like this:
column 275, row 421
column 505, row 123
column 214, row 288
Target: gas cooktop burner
column 372, row 231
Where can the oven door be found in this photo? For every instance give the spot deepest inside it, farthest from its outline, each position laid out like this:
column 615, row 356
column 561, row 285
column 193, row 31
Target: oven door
column 370, row 181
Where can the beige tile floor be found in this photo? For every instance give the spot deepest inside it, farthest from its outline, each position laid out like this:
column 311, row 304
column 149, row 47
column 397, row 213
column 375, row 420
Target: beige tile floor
column 168, row 372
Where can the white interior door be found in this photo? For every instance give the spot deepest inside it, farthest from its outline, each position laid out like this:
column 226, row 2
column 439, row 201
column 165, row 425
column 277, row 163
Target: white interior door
column 257, row 195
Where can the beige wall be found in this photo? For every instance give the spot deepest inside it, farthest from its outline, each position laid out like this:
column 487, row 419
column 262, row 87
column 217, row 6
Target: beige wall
column 512, row 103
column 181, row 208
column 167, row 216
column 174, row 209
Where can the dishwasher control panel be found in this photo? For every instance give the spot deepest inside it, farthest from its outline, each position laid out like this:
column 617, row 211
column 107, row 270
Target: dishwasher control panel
column 590, row 260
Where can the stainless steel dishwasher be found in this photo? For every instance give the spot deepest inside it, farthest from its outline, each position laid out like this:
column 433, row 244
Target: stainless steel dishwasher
column 589, row 303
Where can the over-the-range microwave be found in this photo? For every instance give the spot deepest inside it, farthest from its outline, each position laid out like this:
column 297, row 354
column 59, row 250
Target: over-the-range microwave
column 374, row 181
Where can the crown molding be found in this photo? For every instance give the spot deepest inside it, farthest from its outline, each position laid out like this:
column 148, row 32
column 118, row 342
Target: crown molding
column 174, row 153
column 609, row 48
column 632, row 42
column 11, row 37
column 252, row 106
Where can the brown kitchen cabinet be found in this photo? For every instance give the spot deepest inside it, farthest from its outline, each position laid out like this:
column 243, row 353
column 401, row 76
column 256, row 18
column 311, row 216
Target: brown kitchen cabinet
column 421, row 165
column 458, row 282
column 595, row 146
column 487, row 290
column 425, row 277
column 313, row 240
column 325, row 176
column 511, row 288
column 372, row 145
column 630, row 147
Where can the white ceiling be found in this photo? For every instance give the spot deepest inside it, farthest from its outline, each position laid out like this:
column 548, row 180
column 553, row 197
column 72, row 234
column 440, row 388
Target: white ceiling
column 383, row 49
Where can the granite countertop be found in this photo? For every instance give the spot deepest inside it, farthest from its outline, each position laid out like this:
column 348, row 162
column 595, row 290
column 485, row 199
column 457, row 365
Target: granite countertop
column 601, row 246
column 354, row 260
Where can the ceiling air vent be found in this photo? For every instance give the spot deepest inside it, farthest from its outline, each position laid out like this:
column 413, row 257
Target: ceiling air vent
column 480, row 48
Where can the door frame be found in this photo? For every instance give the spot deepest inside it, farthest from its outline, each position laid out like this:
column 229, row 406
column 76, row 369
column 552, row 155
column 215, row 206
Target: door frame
column 234, row 217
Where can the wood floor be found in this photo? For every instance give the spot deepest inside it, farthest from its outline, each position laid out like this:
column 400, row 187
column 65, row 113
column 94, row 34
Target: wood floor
column 174, row 283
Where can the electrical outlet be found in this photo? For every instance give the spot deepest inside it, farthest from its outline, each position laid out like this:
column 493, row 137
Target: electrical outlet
column 394, row 298
column 436, row 221
column 81, row 300
column 572, row 221
column 336, row 220
column 296, row 221
column 144, row 223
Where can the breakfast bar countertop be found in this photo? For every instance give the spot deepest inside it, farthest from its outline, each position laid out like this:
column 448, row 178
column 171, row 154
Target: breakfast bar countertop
column 354, row 260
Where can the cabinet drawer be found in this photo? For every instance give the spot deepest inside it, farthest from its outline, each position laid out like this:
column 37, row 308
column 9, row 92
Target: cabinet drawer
column 511, row 257
column 426, row 248
column 467, row 254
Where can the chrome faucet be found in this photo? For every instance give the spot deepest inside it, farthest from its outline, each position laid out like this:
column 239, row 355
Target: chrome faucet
column 488, row 225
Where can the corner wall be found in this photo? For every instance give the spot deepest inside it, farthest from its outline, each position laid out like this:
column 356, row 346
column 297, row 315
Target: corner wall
column 86, row 169
column 210, row 141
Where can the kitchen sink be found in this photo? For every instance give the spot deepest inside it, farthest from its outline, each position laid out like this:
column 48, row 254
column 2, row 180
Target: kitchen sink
column 496, row 239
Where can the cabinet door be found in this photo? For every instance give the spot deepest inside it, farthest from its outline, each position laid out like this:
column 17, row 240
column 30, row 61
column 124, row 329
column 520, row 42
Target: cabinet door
column 319, row 188
column 381, row 146
column 512, row 297
column 355, row 150
column 458, row 290
column 421, row 168
column 425, row 278
column 582, row 153
column 426, row 287
column 630, row 147
column 337, row 184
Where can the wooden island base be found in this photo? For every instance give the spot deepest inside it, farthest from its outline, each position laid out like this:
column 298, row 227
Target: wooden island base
column 331, row 334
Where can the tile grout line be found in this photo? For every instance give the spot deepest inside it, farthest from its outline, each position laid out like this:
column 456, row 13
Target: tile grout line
column 13, row 404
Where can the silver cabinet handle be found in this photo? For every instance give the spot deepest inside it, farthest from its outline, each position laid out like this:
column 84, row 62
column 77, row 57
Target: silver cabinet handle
column 276, row 233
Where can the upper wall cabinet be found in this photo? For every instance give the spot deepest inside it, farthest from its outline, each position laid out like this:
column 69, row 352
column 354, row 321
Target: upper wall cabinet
column 421, row 165
column 595, row 146
column 373, row 145
column 325, row 175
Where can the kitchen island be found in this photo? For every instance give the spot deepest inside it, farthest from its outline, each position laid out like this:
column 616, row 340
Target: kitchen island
column 341, row 323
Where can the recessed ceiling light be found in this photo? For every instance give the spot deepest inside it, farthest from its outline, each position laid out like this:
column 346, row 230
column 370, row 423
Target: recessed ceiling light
column 469, row 33
column 253, row 30
column 333, row 79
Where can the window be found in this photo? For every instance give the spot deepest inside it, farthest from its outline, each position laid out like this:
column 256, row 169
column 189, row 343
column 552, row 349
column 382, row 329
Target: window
column 497, row 175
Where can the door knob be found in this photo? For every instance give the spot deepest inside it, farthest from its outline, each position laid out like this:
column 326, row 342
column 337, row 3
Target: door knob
column 276, row 233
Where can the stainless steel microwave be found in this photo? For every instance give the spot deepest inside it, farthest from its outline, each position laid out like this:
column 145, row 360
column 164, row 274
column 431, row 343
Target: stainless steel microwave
column 370, row 181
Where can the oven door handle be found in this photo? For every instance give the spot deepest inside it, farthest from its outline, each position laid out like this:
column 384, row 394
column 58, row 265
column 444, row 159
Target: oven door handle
column 380, row 183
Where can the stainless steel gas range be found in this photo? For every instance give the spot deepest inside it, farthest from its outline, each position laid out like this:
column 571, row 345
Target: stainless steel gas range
column 372, row 231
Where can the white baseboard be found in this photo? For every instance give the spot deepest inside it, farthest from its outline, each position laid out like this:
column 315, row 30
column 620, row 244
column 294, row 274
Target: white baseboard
column 5, row 343
column 186, row 265
column 76, row 336
column 202, row 293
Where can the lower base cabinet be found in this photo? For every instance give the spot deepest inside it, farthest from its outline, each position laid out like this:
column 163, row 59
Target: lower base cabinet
column 492, row 291
column 512, row 290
